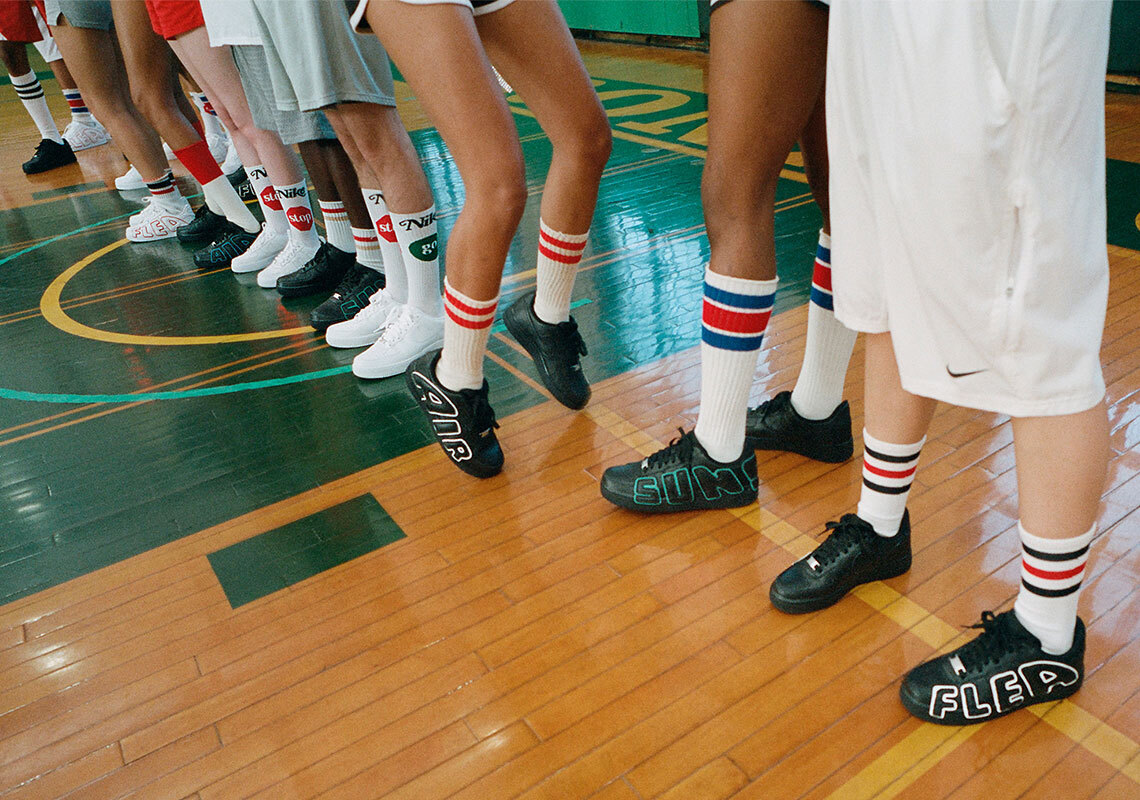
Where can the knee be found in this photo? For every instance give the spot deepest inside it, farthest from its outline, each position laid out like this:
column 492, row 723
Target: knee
column 589, row 145
column 502, row 191
column 149, row 103
column 735, row 190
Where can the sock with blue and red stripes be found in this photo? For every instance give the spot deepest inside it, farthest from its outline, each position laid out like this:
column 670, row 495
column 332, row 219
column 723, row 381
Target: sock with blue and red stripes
column 819, row 387
column 888, row 472
column 1051, row 575
column 211, row 125
column 734, row 317
column 466, row 327
column 79, row 110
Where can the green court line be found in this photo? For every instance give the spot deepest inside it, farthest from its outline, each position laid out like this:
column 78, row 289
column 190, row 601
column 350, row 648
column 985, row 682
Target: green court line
column 207, row 391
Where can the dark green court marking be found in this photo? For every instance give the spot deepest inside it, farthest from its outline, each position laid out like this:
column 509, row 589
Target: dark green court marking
column 264, row 564
column 63, row 191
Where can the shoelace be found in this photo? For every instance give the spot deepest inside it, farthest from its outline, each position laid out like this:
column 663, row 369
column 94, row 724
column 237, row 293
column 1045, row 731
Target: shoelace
column 481, row 410
column 572, row 340
column 353, row 280
column 679, row 451
column 998, row 636
column 398, row 329
column 845, row 533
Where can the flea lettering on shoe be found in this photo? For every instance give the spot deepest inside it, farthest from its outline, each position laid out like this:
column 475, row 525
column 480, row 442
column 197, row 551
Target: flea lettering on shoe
column 682, row 477
column 463, row 421
column 776, row 425
column 1001, row 671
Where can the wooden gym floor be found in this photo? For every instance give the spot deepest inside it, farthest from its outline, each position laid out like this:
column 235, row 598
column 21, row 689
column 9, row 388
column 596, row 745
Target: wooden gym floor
column 229, row 569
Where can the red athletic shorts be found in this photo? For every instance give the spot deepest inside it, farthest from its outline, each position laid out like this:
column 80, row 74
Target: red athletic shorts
column 172, row 18
column 17, row 23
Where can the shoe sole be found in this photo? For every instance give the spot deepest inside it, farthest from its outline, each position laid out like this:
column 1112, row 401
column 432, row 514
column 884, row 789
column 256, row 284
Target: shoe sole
column 807, row 605
column 624, row 502
column 525, row 338
column 349, row 344
column 306, row 289
column 151, row 239
column 393, row 369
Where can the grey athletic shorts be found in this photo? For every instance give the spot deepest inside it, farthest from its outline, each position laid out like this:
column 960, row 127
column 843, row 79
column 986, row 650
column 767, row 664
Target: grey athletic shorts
column 291, row 126
column 315, row 59
column 95, row 14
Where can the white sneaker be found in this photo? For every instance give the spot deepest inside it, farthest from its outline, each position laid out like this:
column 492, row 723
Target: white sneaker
column 219, row 145
column 365, row 328
column 232, row 162
column 408, row 335
column 265, row 248
column 158, row 222
column 85, row 135
column 130, row 180
column 291, row 258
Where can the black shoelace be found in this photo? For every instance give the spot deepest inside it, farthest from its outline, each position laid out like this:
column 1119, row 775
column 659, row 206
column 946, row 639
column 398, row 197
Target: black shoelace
column 998, row 636
column 571, row 340
column 845, row 534
column 679, row 451
column 481, row 410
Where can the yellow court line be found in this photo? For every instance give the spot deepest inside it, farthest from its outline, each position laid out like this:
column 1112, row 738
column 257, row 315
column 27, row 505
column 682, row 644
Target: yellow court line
column 897, row 768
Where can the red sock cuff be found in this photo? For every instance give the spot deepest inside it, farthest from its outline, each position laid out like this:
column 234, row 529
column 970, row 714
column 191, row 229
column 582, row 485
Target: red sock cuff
column 198, row 161
column 198, row 126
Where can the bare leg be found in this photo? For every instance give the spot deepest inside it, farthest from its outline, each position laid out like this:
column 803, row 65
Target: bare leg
column 891, row 413
column 335, row 177
column 15, row 57
column 62, row 74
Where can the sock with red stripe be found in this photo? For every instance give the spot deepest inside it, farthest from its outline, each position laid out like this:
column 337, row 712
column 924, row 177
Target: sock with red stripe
column 558, row 257
column 164, row 192
column 338, row 230
column 267, row 198
column 419, row 249
column 734, row 317
column 819, row 387
column 211, row 125
column 221, row 197
column 466, row 326
column 299, row 214
column 395, row 275
column 1051, row 575
column 31, row 93
column 79, row 110
column 888, row 472
column 368, row 249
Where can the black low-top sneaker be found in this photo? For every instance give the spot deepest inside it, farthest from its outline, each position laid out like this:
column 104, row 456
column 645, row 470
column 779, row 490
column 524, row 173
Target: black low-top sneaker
column 556, row 350
column 851, row 555
column 350, row 295
column 49, row 155
column 463, row 421
column 1001, row 671
column 321, row 272
column 682, row 477
column 220, row 252
column 776, row 425
column 204, row 228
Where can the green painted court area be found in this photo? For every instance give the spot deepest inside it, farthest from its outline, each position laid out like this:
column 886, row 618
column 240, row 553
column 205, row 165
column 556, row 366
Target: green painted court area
column 86, row 484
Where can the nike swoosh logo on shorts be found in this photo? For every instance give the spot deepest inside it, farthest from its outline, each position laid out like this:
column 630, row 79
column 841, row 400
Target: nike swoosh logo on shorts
column 954, row 374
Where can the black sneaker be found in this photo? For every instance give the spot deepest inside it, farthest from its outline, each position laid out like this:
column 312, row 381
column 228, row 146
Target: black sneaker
column 776, row 425
column 322, row 272
column 241, row 184
column 463, row 421
column 220, row 252
column 1004, row 669
column 853, row 554
column 682, row 477
column 205, row 227
column 49, row 155
column 350, row 295
column 555, row 350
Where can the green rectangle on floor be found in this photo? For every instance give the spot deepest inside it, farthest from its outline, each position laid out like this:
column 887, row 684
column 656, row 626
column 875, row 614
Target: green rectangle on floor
column 281, row 557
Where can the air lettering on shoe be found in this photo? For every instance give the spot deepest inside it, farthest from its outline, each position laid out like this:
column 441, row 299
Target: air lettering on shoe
column 384, row 228
column 414, row 223
column 270, row 199
column 300, row 218
column 425, row 249
column 1008, row 690
column 444, row 418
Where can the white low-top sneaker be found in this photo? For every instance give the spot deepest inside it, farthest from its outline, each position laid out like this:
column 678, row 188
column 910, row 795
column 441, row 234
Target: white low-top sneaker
column 156, row 221
column 291, row 258
column 366, row 327
column 265, row 248
column 85, row 135
column 408, row 335
column 168, row 151
column 232, row 162
column 130, row 180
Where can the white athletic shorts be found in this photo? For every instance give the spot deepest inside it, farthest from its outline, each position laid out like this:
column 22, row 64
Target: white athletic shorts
column 968, row 196
column 230, row 22
column 479, row 7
